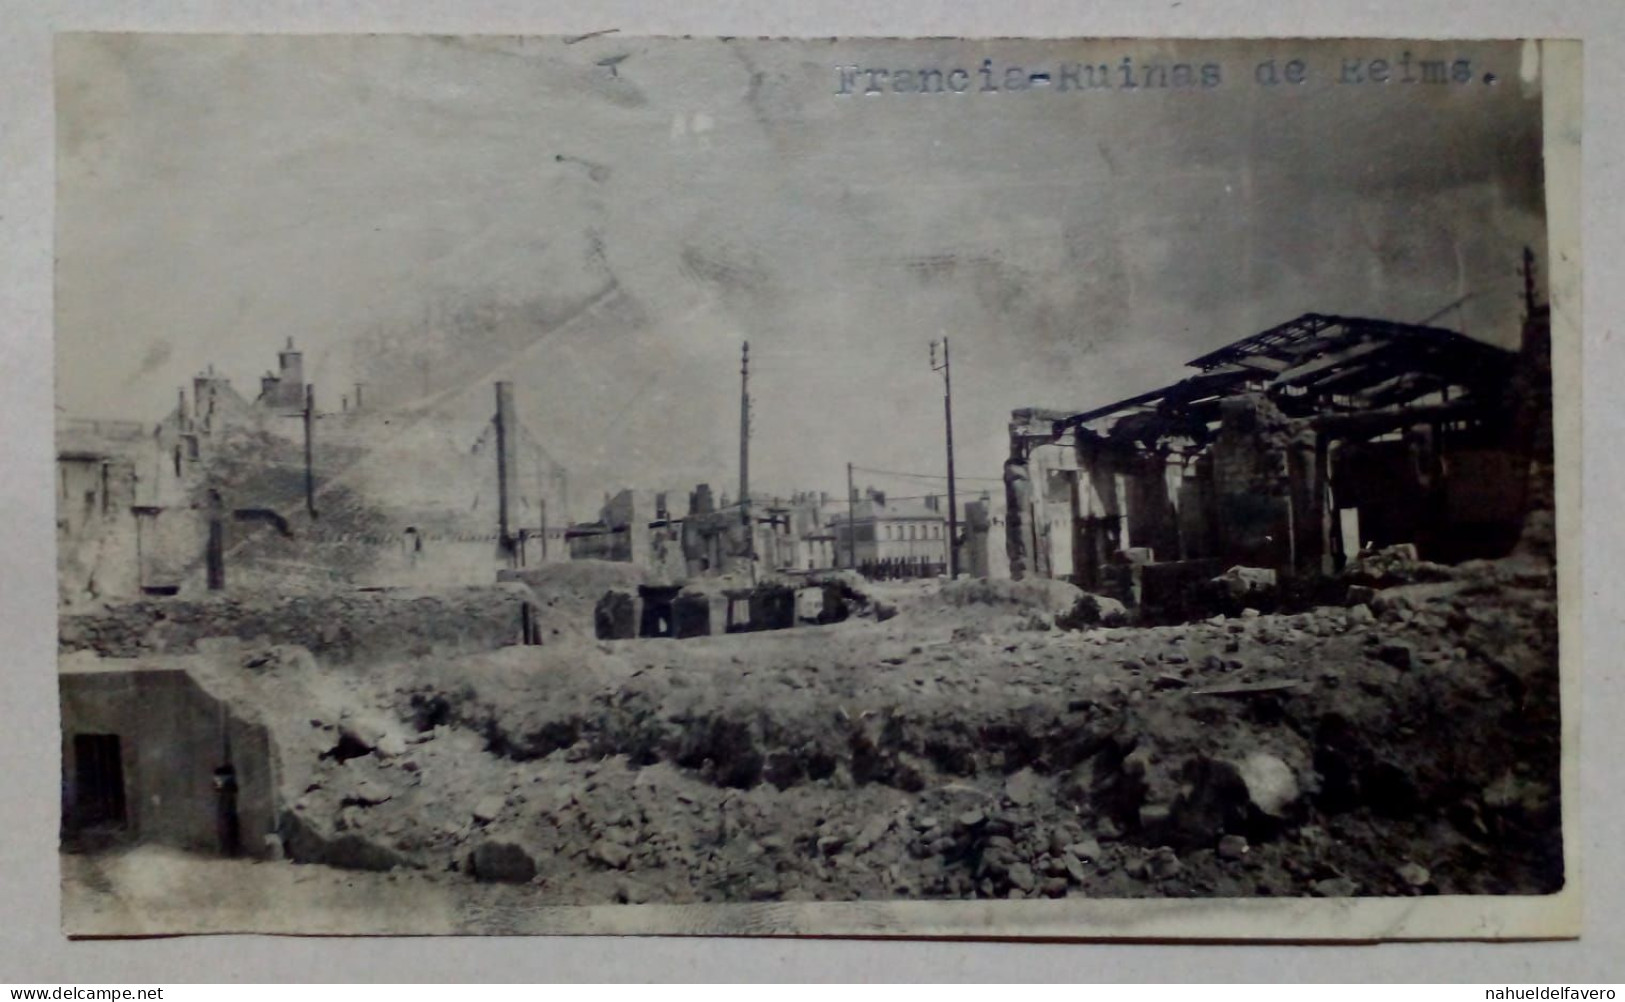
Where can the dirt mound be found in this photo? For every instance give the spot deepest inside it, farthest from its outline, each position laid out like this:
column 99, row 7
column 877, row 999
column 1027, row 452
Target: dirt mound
column 579, row 578
column 339, row 625
column 1401, row 746
column 982, row 606
column 1031, row 595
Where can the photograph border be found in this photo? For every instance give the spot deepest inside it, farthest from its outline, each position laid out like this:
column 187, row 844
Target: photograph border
column 1185, row 919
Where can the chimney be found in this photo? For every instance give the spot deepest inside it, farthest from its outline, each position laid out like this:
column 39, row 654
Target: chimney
column 700, row 501
column 203, row 398
column 507, row 462
column 291, row 378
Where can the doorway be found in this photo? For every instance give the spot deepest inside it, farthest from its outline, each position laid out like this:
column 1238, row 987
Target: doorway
column 98, row 781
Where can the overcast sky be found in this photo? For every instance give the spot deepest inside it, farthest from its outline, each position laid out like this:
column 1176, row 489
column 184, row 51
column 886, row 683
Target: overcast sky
column 604, row 222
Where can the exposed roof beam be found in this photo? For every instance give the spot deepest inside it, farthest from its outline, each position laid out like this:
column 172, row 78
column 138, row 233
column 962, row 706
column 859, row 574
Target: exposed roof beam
column 1304, row 372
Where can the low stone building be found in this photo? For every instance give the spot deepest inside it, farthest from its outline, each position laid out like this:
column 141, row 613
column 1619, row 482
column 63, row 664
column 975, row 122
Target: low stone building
column 150, row 755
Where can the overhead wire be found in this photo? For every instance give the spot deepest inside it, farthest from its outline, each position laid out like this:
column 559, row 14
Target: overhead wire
column 920, row 476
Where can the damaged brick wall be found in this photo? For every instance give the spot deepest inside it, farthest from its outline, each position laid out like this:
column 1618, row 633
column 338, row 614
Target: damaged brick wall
column 98, row 556
column 1251, row 481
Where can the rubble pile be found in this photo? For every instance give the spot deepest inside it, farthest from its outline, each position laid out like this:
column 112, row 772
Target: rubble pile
column 987, row 604
column 1403, row 744
column 567, row 591
column 338, row 625
column 1394, row 565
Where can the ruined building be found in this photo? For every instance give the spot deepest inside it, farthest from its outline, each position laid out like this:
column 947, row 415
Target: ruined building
column 1291, row 450
column 97, row 507
column 635, row 527
column 981, row 546
column 787, row 535
column 776, row 536
column 224, row 491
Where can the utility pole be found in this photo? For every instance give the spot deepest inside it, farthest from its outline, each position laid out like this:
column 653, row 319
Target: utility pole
column 744, row 449
column 1528, row 282
column 953, row 494
column 851, row 521
column 214, row 557
column 310, row 449
column 507, row 429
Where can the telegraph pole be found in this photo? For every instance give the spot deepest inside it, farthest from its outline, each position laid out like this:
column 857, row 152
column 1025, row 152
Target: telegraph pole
column 744, row 448
column 1528, row 282
column 953, row 494
column 851, row 521
column 310, row 449
column 214, row 557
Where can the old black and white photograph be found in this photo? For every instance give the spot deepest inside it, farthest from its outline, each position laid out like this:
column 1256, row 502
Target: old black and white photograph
column 999, row 487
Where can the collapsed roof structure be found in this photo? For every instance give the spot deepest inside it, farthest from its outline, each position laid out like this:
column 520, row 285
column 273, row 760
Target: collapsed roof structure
column 1290, row 449
column 1315, row 365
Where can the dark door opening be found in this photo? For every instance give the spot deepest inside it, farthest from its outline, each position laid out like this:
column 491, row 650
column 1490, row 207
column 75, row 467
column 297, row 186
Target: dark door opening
column 98, row 781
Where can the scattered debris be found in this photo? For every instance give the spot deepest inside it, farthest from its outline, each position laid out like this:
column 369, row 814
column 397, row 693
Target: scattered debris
column 1211, row 757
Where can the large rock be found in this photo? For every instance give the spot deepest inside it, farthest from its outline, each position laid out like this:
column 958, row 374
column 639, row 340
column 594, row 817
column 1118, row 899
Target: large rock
column 1162, row 864
column 1248, row 582
column 1399, row 653
column 610, row 854
column 502, row 862
column 1272, row 786
column 364, row 735
column 1022, row 787
column 1093, row 610
column 1212, row 800
column 366, row 792
column 305, row 843
column 1394, row 565
column 1216, row 797
column 1360, row 595
column 1021, row 876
